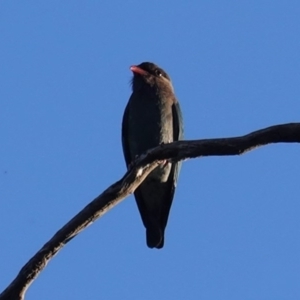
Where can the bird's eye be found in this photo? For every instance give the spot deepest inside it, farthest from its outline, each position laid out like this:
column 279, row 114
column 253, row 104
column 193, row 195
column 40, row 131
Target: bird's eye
column 158, row 73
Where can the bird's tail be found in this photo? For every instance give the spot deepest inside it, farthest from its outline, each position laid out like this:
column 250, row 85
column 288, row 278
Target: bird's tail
column 155, row 237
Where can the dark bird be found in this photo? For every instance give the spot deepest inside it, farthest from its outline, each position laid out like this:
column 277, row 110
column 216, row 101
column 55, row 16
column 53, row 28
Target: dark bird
column 152, row 117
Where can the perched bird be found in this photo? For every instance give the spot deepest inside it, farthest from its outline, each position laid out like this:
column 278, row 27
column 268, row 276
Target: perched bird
column 152, row 117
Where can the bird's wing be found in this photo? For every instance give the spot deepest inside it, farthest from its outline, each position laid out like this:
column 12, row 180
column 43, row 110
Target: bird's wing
column 177, row 134
column 177, row 121
column 172, row 180
column 125, row 136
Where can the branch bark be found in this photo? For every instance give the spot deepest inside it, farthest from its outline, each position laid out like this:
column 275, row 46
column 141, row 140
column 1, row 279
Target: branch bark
column 181, row 150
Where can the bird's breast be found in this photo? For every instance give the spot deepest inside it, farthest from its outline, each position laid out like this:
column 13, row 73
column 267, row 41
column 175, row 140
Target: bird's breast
column 150, row 123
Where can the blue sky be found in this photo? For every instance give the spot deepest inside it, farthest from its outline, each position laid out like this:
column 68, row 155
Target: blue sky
column 233, row 231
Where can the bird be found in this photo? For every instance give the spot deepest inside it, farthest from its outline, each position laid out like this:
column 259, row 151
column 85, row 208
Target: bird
column 152, row 117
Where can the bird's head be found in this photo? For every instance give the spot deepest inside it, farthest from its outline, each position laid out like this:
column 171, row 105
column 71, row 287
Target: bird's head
column 148, row 75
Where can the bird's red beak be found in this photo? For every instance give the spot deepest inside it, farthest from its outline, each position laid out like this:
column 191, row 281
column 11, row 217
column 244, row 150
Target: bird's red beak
column 138, row 70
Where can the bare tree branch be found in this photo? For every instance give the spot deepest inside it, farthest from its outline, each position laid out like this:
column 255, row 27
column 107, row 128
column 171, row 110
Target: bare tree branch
column 286, row 133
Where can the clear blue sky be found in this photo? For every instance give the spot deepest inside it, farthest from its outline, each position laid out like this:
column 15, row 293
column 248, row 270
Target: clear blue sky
column 234, row 227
